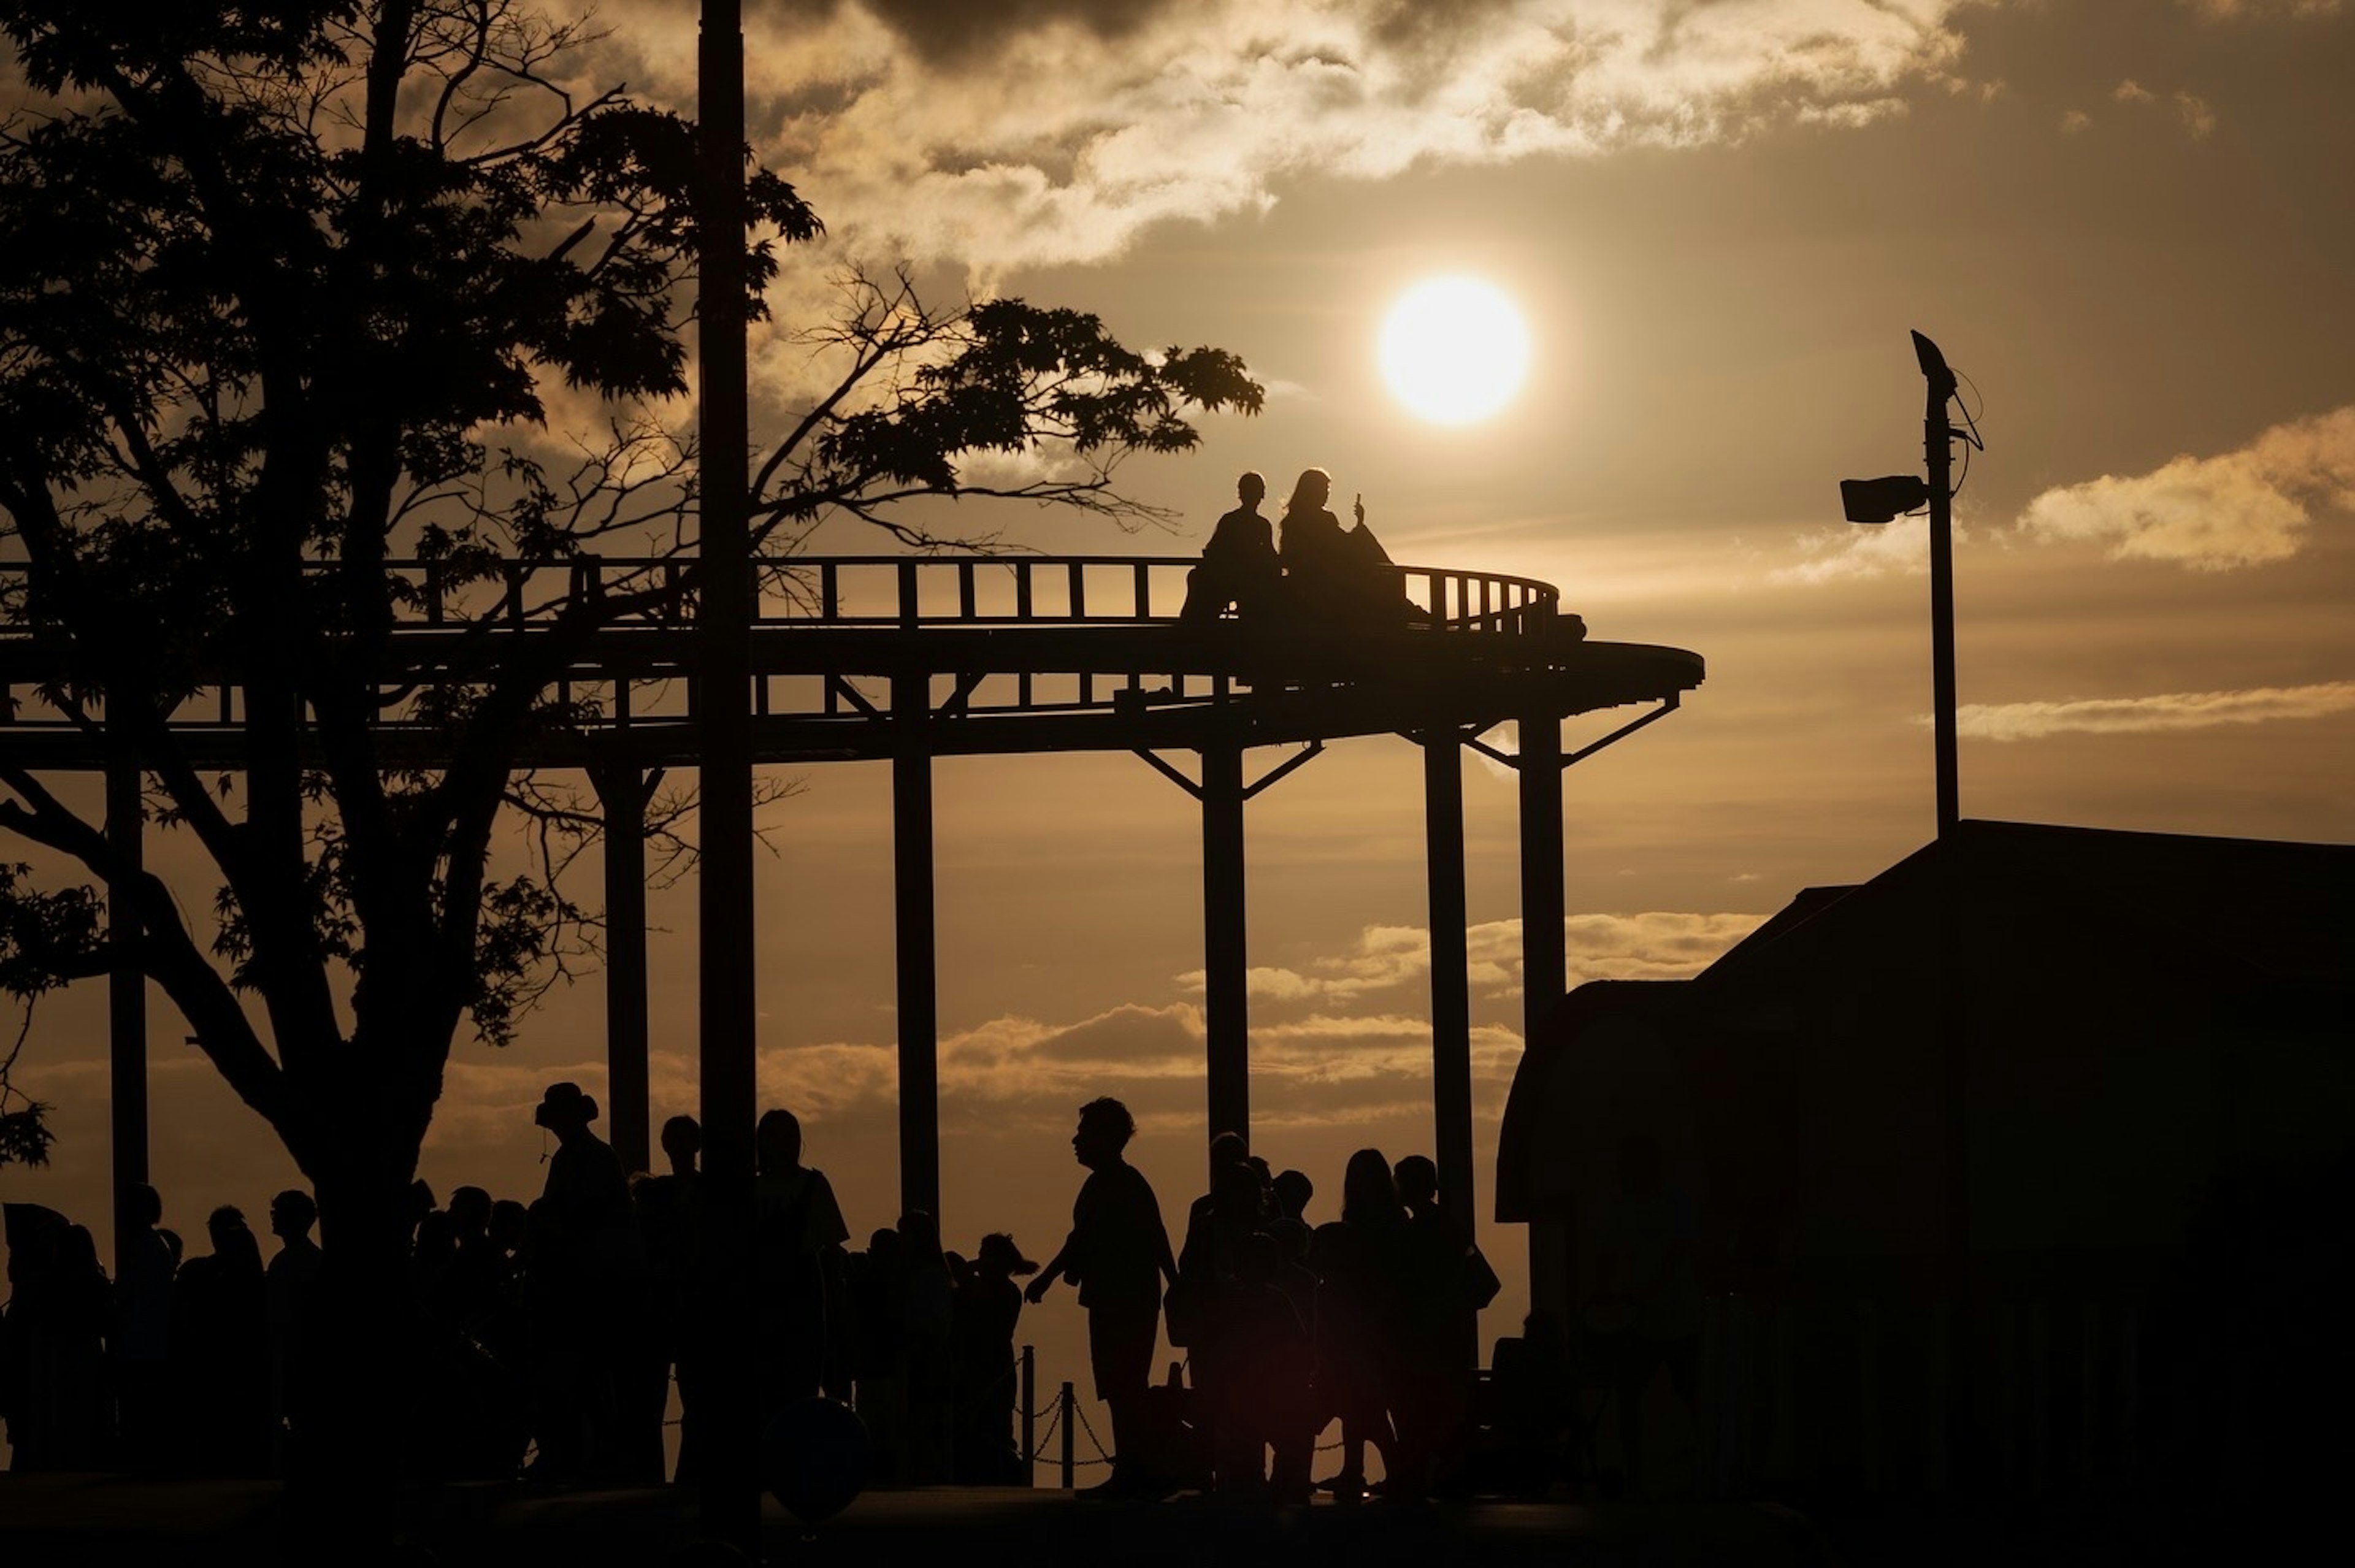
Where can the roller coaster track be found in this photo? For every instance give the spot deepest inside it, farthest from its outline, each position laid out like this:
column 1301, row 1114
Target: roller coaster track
column 1016, row 653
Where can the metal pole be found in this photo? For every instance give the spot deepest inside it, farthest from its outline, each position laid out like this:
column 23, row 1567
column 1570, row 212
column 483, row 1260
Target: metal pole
column 126, row 995
column 1545, row 967
column 622, row 790
column 1029, row 1415
column 1949, row 993
column 913, row 908
column 1227, row 1020
column 1451, row 984
column 1937, row 447
column 731, row 1496
column 1069, row 1419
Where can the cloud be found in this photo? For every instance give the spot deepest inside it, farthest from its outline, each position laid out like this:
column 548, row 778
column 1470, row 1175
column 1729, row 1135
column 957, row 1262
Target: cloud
column 2228, row 10
column 1655, row 945
column 1842, row 555
column 1650, row 944
column 1325, row 1048
column 2166, row 712
column 1025, row 1073
column 2199, row 117
column 1053, row 132
column 2242, row 508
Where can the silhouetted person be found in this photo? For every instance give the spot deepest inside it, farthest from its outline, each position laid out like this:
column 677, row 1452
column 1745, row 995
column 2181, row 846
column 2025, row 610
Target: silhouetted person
column 881, row 1393
column 1436, row 1333
column 1227, row 1150
column 1333, row 574
column 431, row 1260
column 289, row 1287
column 581, row 1285
column 1239, row 563
column 989, row 1310
column 220, row 1353
column 924, row 1302
column 84, row 1305
column 420, row 1203
column 470, row 1286
column 143, row 1342
column 53, row 1386
column 1272, row 1402
column 1231, row 1319
column 1645, row 1268
column 799, row 1232
column 1357, row 1263
column 1191, row 1299
column 669, row 1215
column 505, row 1332
column 1118, row 1254
column 1291, row 1191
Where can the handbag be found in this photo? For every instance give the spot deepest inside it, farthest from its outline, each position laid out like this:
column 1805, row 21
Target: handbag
column 1184, row 1309
column 1480, row 1282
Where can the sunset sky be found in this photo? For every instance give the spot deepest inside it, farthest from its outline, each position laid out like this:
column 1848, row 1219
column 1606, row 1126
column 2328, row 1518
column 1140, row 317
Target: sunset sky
column 2126, row 221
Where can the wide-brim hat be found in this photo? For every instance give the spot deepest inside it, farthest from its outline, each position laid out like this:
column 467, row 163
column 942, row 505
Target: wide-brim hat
column 563, row 1104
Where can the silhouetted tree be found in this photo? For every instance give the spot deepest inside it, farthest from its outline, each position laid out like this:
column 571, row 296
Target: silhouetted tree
column 287, row 287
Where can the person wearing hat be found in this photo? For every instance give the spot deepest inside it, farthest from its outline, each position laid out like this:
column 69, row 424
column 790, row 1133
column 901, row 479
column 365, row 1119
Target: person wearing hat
column 988, row 1308
column 583, row 1250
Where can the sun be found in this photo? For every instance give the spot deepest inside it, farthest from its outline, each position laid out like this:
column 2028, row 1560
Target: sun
column 1455, row 349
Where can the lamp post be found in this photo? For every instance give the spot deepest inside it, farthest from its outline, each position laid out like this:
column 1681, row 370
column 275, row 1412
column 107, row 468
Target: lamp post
column 1876, row 501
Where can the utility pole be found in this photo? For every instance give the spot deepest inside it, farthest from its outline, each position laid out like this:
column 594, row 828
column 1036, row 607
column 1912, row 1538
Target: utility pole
column 728, row 1410
column 1938, row 450
column 1878, row 501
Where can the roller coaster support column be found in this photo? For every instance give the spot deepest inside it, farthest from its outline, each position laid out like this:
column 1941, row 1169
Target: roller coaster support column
column 1451, row 988
column 126, row 996
column 729, row 1503
column 911, row 858
column 622, row 790
column 1544, row 967
column 1224, row 961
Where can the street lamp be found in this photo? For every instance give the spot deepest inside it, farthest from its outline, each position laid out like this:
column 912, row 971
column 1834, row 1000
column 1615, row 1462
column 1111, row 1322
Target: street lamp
column 1875, row 501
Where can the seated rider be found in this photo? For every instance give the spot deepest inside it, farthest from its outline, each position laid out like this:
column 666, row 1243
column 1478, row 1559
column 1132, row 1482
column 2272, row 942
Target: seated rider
column 1239, row 563
column 1329, row 571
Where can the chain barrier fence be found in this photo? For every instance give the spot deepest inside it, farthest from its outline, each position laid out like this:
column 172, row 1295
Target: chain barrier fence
column 1061, row 1415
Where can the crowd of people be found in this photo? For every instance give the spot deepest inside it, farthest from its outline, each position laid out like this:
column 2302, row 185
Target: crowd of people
column 544, row 1339
column 555, row 1331
column 1288, row 1325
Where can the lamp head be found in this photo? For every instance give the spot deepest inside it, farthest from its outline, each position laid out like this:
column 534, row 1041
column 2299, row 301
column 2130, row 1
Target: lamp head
column 1879, row 500
column 1934, row 365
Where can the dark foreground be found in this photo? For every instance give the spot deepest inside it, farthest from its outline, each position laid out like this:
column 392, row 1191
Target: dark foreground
column 102, row 1520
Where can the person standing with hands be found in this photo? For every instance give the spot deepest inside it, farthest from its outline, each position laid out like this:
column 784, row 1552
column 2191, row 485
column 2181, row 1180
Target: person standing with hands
column 1118, row 1254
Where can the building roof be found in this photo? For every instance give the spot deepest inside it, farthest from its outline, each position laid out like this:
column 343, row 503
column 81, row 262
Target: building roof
column 2039, row 910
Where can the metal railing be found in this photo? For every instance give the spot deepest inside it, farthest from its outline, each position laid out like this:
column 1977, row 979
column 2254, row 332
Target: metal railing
column 906, row 592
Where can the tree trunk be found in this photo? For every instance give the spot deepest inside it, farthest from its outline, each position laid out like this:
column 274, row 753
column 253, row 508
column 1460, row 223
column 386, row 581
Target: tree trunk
column 366, row 1338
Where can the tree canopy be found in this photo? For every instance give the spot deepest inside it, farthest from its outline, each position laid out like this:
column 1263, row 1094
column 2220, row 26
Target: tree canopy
column 288, row 288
